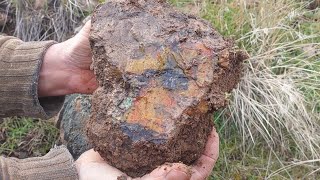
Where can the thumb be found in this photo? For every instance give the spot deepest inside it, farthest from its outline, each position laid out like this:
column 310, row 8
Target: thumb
column 170, row 171
column 85, row 29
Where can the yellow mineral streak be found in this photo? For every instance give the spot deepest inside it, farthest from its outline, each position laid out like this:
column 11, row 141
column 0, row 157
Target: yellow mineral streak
column 203, row 107
column 148, row 63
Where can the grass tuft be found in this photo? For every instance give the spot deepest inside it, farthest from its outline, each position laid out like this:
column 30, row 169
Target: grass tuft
column 25, row 137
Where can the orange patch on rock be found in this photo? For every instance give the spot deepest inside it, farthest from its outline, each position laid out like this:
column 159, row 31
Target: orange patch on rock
column 149, row 110
column 205, row 73
column 203, row 49
column 224, row 59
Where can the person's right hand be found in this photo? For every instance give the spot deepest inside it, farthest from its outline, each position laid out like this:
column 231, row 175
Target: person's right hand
column 90, row 165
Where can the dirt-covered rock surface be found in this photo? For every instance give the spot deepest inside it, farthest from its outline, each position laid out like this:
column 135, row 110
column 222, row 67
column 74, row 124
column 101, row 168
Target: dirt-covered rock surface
column 72, row 120
column 161, row 75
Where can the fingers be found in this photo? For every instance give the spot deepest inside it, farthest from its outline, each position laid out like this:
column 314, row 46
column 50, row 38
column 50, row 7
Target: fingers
column 82, row 40
column 98, row 171
column 91, row 165
column 87, row 83
column 173, row 171
column 86, row 29
column 204, row 165
column 212, row 146
column 90, row 156
column 92, row 86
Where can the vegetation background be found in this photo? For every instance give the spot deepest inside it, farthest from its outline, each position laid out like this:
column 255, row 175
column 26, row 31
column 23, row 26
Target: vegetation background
column 270, row 130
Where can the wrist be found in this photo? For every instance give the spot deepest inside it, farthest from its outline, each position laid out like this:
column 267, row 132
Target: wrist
column 53, row 79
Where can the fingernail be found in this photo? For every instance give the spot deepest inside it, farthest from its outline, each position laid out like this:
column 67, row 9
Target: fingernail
column 177, row 174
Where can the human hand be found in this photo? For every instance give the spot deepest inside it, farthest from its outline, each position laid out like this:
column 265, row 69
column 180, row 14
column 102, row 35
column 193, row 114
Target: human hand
column 90, row 165
column 66, row 67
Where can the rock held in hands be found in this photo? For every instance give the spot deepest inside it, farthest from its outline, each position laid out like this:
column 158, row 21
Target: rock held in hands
column 161, row 74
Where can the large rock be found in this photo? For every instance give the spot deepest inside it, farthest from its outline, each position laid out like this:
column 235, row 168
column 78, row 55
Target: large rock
column 161, row 75
column 72, row 120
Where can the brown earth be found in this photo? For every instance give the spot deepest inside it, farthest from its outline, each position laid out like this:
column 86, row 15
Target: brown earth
column 161, row 75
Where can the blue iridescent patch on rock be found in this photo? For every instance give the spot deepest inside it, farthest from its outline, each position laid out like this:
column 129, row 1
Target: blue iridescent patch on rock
column 136, row 132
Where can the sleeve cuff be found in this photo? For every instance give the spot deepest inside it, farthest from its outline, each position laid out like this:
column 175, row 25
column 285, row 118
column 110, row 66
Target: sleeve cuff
column 57, row 164
column 47, row 107
column 20, row 64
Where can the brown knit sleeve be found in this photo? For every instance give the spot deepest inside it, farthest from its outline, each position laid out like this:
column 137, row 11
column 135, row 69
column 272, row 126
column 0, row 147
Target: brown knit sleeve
column 20, row 63
column 57, row 164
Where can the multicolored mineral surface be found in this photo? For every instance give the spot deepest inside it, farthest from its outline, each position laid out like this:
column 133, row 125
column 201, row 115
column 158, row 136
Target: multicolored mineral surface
column 161, row 74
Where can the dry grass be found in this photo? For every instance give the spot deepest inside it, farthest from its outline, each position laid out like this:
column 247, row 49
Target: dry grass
column 51, row 19
column 273, row 100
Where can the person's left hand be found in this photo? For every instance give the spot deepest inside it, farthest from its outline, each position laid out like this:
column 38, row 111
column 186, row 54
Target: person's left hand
column 66, row 67
column 90, row 165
